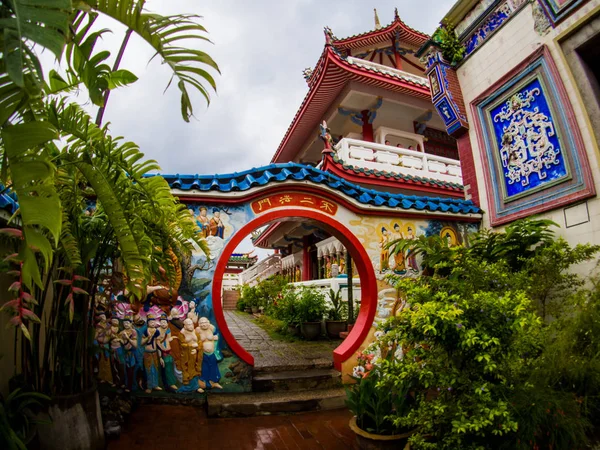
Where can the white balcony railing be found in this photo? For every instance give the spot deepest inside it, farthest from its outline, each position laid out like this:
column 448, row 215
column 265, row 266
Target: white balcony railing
column 398, row 160
column 261, row 270
column 335, row 284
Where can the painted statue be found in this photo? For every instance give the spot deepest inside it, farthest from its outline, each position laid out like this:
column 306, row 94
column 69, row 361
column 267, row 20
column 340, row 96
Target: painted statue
column 139, row 375
column 102, row 338
column 117, row 355
column 192, row 314
column 166, row 360
column 210, row 369
column 216, row 226
column 129, row 338
column 151, row 356
column 384, row 259
column 191, row 354
column 411, row 258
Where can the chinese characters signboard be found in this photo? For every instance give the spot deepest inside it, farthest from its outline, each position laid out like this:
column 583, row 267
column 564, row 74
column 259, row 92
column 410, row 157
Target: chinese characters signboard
column 291, row 199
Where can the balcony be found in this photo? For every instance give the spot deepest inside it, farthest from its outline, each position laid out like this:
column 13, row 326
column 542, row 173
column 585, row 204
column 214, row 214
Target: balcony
column 423, row 81
column 261, row 270
column 403, row 161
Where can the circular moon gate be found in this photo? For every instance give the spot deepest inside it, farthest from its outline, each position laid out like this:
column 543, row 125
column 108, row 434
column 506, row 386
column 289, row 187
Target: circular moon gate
column 364, row 267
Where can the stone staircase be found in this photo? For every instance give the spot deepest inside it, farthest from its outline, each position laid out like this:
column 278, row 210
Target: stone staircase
column 230, row 299
column 280, row 391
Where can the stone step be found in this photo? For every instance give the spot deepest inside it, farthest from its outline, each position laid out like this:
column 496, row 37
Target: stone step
column 267, row 403
column 317, row 365
column 296, row 380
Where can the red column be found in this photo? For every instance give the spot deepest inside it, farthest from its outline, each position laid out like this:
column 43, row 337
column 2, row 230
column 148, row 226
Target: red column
column 367, row 130
column 397, row 55
column 467, row 165
column 306, row 269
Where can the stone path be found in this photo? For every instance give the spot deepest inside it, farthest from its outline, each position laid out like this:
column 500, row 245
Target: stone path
column 164, row 427
column 271, row 353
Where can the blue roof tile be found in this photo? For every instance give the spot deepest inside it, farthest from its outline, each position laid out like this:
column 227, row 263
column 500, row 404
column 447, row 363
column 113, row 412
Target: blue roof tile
column 276, row 173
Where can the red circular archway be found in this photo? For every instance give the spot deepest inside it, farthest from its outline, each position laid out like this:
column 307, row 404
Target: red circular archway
column 368, row 281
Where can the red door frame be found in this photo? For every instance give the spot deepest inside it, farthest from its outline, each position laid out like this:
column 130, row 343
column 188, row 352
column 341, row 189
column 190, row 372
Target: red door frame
column 368, row 281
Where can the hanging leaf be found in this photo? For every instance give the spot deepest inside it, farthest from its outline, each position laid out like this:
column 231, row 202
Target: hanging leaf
column 120, row 78
column 25, row 331
column 77, row 290
column 64, row 282
column 12, row 232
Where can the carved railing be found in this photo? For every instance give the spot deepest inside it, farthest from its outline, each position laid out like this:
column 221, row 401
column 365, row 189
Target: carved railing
column 340, row 283
column 371, row 155
column 261, row 270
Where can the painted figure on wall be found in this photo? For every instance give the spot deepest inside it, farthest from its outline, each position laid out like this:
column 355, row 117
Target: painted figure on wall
column 191, row 355
column 102, row 337
column 411, row 258
column 217, row 228
column 151, row 356
column 203, row 221
column 210, row 376
column 397, row 261
column 384, row 259
column 129, row 338
column 166, row 360
column 192, row 314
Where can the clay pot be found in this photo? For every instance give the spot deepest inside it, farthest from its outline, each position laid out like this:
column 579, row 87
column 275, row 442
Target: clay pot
column 335, row 327
column 311, row 330
column 369, row 441
column 254, row 309
column 294, row 330
column 76, row 423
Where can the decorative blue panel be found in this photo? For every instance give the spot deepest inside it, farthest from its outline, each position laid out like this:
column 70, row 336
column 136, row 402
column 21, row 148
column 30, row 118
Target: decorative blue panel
column 558, row 10
column 529, row 150
column 446, row 112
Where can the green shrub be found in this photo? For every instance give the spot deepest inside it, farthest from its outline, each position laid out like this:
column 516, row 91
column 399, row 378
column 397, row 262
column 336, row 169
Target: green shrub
column 311, row 305
column 339, row 309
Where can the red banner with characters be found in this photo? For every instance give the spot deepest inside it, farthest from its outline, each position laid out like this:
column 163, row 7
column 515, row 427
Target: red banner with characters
column 292, row 199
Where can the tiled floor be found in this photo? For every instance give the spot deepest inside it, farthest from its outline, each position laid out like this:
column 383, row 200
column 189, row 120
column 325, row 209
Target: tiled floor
column 167, row 427
column 270, row 353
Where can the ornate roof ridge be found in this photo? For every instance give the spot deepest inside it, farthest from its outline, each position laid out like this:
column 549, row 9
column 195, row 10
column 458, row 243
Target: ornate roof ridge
column 261, row 176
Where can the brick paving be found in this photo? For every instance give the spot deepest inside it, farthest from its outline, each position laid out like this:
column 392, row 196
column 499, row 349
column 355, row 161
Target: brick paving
column 268, row 352
column 154, row 427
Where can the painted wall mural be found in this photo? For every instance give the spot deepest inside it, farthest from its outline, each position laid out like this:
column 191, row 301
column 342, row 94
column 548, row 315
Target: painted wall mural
column 558, row 10
column 530, row 142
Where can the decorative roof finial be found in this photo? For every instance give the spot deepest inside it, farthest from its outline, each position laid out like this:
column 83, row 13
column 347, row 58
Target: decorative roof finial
column 396, row 15
column 328, row 35
column 377, row 23
column 307, row 73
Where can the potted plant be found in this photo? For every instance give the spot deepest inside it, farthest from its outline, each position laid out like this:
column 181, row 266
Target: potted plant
column 373, row 397
column 311, row 309
column 336, row 315
column 287, row 310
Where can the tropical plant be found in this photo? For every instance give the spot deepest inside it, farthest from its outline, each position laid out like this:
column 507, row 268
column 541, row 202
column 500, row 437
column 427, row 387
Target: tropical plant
column 452, row 49
column 311, row 305
column 435, row 253
column 30, row 120
column 18, row 418
column 339, row 310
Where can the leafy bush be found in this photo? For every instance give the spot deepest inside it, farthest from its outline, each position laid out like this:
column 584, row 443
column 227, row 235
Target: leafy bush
column 485, row 368
column 311, row 305
column 452, row 49
column 339, row 311
column 18, row 416
column 285, row 307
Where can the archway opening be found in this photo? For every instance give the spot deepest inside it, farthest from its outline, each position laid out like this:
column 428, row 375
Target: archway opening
column 364, row 268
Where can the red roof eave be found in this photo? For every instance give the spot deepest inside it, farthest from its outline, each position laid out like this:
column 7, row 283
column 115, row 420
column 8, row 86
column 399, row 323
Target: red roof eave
column 346, row 72
column 409, row 34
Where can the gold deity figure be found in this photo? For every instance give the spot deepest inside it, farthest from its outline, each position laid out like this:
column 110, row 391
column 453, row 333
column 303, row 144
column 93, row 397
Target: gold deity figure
column 191, row 353
column 210, row 369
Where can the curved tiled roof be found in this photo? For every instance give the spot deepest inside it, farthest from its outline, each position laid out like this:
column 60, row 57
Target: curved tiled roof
column 277, row 173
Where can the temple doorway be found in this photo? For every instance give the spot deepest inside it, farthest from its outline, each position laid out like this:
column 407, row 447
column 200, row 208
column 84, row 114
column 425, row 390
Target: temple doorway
column 290, row 291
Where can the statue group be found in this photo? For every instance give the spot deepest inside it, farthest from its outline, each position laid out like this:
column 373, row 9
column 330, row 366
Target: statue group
column 154, row 351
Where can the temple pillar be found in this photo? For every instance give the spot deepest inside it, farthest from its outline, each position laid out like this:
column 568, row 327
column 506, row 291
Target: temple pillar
column 305, row 259
column 367, row 128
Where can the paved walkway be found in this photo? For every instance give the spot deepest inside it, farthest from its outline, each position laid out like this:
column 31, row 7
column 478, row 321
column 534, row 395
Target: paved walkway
column 164, row 427
column 268, row 352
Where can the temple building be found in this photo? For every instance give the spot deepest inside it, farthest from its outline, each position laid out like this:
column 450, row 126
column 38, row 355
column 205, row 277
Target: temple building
column 522, row 101
column 369, row 99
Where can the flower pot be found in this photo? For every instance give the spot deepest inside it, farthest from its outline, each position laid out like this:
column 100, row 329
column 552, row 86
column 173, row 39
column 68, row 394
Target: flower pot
column 369, row 441
column 335, row 327
column 294, row 330
column 254, row 309
column 311, row 330
column 76, row 423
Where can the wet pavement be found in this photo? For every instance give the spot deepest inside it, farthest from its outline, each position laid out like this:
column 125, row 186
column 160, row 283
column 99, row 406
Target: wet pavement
column 164, row 427
column 268, row 352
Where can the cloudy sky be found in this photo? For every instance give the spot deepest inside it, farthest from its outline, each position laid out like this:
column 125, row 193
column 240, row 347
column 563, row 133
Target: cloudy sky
column 261, row 46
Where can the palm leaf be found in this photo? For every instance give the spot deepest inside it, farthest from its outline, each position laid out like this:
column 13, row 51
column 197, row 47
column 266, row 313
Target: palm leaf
column 165, row 34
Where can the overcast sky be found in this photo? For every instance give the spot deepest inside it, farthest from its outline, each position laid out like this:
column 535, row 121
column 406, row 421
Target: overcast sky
column 261, row 46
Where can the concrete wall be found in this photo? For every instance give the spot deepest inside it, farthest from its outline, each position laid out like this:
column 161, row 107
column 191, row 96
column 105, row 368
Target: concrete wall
column 501, row 52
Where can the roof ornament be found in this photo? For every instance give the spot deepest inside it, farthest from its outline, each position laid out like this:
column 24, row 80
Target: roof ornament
column 307, row 73
column 396, row 15
column 377, row 23
column 325, row 135
column 328, row 35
